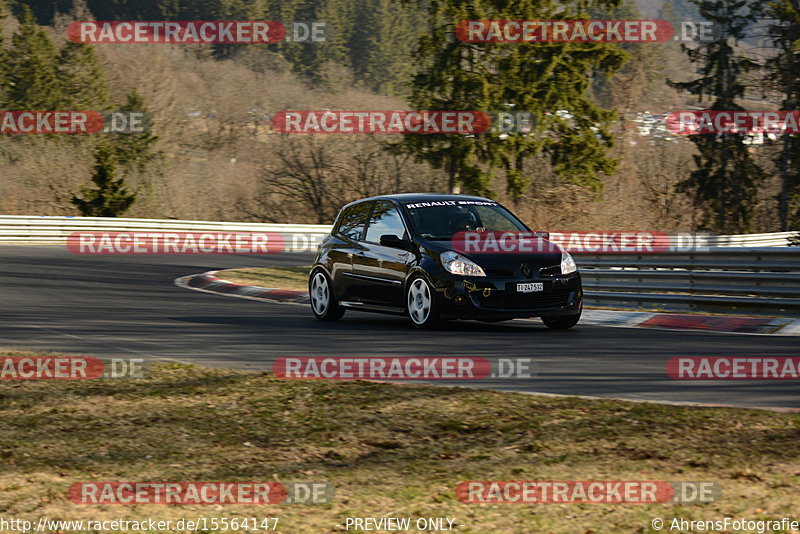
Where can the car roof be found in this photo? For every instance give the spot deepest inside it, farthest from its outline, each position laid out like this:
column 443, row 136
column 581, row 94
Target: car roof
column 422, row 197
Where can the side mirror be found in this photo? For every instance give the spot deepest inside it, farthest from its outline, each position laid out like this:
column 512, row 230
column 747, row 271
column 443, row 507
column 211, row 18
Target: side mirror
column 543, row 235
column 391, row 240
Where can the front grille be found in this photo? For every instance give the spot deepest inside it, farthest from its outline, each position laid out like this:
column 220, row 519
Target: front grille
column 498, row 273
column 525, row 301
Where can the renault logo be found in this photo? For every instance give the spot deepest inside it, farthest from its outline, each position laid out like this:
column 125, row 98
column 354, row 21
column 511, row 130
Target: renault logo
column 526, row 269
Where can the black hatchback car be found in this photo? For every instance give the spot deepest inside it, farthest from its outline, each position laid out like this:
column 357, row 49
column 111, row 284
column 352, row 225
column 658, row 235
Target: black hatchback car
column 426, row 256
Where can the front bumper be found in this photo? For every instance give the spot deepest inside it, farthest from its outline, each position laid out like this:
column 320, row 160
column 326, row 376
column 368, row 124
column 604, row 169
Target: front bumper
column 497, row 298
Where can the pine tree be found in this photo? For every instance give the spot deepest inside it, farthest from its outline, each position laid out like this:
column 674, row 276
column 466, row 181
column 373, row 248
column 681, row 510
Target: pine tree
column 341, row 22
column 303, row 57
column 31, row 72
column 135, row 9
column 453, row 76
column 784, row 68
column 3, row 53
column 392, row 34
column 541, row 78
column 219, row 9
column 82, row 78
column 634, row 81
column 548, row 80
column 135, row 150
column 43, row 10
column 80, row 73
column 726, row 180
column 110, row 198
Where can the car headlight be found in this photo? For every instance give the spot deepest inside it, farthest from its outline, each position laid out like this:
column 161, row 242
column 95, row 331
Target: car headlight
column 457, row 264
column 567, row 263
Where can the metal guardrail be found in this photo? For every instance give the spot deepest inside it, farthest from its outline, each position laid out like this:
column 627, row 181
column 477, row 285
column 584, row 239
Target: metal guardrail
column 55, row 230
column 729, row 276
column 724, row 279
column 776, row 239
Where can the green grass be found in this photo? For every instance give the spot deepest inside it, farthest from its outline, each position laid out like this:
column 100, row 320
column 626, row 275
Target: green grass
column 270, row 277
column 389, row 450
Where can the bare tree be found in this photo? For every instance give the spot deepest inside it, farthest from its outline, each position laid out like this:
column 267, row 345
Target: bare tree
column 307, row 178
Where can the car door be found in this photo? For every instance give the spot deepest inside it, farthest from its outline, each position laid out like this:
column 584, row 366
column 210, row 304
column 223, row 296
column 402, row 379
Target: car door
column 381, row 270
column 349, row 233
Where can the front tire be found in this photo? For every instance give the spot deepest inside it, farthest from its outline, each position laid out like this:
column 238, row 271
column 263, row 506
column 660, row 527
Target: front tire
column 323, row 303
column 562, row 323
column 421, row 303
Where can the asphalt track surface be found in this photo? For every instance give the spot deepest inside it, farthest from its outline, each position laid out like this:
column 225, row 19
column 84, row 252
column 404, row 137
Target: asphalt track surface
column 128, row 306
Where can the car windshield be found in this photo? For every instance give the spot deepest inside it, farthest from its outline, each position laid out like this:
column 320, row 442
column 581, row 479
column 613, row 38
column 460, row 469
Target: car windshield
column 441, row 220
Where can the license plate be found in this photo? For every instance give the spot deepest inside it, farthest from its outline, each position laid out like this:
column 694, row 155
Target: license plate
column 530, row 288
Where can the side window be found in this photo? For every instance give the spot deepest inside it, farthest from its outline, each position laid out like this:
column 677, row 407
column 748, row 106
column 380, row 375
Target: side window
column 385, row 220
column 354, row 220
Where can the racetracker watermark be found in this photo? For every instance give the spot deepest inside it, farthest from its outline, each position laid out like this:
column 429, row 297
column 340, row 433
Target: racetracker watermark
column 727, row 524
column 175, row 242
column 580, row 31
column 307, row 32
column 495, row 242
column 403, row 368
column 70, row 368
column 381, row 122
column 188, row 493
column 733, row 122
column 73, row 122
column 144, row 524
column 586, row 492
column 176, row 32
column 401, row 524
column 733, row 368
column 512, row 122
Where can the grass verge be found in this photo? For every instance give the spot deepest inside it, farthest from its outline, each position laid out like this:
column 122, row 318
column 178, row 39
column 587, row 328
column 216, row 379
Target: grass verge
column 389, row 450
column 272, row 277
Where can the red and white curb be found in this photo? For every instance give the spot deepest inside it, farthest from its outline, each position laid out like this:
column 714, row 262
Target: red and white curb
column 782, row 326
column 208, row 283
